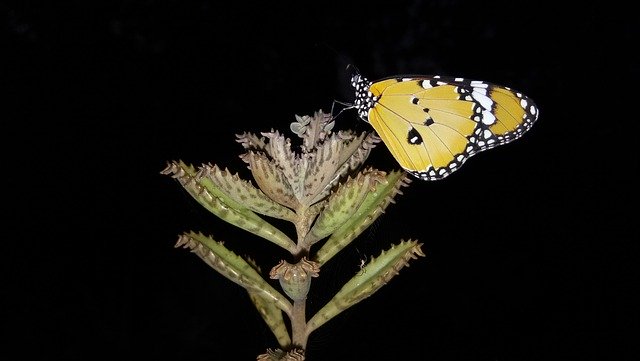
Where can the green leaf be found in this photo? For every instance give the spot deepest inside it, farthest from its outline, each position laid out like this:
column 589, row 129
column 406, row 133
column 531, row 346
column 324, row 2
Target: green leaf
column 378, row 272
column 243, row 192
column 343, row 204
column 370, row 209
column 272, row 316
column 233, row 267
column 353, row 150
column 225, row 207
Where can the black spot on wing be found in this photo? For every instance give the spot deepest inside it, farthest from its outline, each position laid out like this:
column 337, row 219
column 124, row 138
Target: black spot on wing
column 413, row 137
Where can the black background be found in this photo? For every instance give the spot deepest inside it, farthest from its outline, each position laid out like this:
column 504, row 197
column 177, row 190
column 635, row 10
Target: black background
column 531, row 247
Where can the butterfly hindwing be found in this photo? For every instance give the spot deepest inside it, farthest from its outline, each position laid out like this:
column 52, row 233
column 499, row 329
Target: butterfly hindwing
column 432, row 125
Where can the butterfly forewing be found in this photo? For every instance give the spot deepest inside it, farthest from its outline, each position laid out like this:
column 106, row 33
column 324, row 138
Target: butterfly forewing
column 432, row 125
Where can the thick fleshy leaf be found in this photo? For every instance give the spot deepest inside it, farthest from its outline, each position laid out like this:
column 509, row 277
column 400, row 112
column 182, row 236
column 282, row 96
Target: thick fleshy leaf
column 378, row 272
column 233, row 267
column 352, row 152
column 243, row 192
column 250, row 141
column 370, row 209
column 272, row 316
column 279, row 171
column 299, row 127
column 320, row 171
column 312, row 130
column 343, row 204
column 357, row 147
column 225, row 207
column 271, row 179
column 279, row 150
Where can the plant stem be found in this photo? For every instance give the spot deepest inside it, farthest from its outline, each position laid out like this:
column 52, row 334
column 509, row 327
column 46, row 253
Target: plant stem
column 299, row 324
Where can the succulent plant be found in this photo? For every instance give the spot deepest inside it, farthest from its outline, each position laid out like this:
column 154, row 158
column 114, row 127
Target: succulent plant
column 324, row 190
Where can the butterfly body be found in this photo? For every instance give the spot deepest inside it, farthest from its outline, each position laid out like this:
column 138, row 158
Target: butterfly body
column 433, row 124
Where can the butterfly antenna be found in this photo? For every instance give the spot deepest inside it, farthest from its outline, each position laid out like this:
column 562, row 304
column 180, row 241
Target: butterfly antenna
column 349, row 68
column 353, row 69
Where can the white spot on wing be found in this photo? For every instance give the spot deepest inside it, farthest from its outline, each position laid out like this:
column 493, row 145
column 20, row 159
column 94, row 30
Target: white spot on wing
column 488, row 118
column 478, row 84
column 480, row 91
column 484, row 100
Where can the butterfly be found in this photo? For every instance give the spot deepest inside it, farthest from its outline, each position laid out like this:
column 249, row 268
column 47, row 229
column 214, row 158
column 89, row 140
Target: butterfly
column 433, row 124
